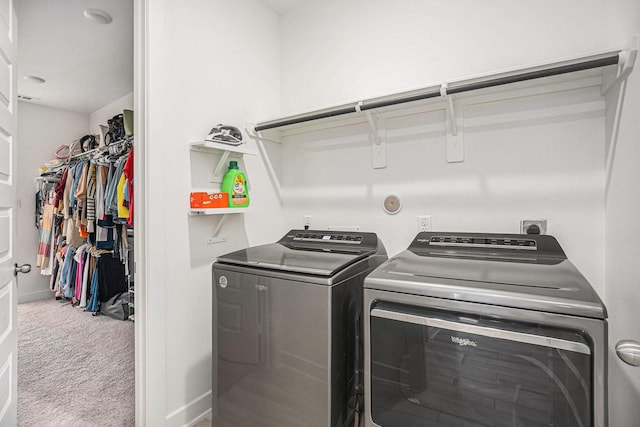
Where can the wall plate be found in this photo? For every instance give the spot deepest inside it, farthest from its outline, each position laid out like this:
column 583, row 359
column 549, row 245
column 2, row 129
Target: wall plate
column 528, row 225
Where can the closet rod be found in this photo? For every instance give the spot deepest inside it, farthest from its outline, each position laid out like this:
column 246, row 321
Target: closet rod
column 100, row 149
column 538, row 74
column 47, row 178
column 453, row 88
column 307, row 118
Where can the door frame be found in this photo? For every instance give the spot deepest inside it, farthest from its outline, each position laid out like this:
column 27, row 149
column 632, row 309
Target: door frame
column 150, row 304
column 140, row 38
column 8, row 226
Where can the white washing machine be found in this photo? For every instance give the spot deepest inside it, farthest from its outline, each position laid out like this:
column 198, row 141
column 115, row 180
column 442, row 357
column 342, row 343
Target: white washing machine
column 466, row 329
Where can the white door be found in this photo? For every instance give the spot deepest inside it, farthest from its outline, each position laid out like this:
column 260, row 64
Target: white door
column 8, row 300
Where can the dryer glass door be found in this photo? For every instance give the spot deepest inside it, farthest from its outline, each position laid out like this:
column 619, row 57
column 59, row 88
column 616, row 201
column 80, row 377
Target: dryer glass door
column 430, row 367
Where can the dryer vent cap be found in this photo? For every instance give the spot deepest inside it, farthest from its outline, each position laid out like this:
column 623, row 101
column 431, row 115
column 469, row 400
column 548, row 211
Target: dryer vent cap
column 391, row 204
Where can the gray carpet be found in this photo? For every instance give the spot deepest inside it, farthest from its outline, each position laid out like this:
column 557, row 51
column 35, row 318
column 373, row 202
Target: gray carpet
column 74, row 369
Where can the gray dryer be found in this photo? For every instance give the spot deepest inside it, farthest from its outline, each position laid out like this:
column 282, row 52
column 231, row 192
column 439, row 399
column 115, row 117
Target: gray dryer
column 483, row 329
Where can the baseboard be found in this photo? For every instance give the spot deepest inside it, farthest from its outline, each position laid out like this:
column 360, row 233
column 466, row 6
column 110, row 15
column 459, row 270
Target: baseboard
column 190, row 413
column 35, row 296
column 201, row 417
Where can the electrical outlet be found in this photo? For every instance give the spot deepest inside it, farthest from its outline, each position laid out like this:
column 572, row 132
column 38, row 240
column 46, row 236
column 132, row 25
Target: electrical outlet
column 424, row 222
column 533, row 226
column 306, row 221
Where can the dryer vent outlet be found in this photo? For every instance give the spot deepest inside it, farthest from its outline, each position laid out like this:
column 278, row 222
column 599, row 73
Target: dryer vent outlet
column 533, row 226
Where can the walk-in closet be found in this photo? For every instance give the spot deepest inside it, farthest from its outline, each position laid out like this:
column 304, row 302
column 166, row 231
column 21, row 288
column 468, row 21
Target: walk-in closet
column 75, row 227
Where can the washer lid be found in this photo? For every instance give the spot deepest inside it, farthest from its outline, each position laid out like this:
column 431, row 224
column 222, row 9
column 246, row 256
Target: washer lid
column 323, row 253
column 519, row 278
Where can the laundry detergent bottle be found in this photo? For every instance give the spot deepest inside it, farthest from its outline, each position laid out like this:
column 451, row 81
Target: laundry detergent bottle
column 234, row 183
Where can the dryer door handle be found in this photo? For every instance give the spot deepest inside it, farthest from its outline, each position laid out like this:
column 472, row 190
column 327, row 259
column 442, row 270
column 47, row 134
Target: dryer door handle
column 629, row 352
column 504, row 334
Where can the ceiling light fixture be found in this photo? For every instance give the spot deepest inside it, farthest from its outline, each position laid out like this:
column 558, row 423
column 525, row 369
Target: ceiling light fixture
column 97, row 15
column 34, row 79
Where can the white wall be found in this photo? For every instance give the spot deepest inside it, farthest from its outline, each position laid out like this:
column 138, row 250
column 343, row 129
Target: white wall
column 554, row 168
column 328, row 52
column 525, row 158
column 336, row 51
column 100, row 116
column 622, row 205
column 518, row 164
column 42, row 130
column 209, row 62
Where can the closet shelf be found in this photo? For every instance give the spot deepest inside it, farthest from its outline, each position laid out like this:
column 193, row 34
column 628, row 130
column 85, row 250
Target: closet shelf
column 226, row 151
column 604, row 70
column 209, row 146
column 217, row 211
column 609, row 61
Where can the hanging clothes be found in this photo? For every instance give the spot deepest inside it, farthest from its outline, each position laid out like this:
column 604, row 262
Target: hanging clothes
column 67, row 273
column 128, row 173
column 91, row 198
column 111, row 196
column 81, row 195
column 80, row 211
column 111, row 277
column 123, row 210
column 101, row 180
column 58, row 201
column 54, row 284
column 82, row 220
column 66, row 195
column 46, row 236
column 79, row 258
column 86, row 279
column 92, row 304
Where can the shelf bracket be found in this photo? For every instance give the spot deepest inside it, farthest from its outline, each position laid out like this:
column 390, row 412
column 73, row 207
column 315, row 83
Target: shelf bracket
column 625, row 67
column 451, row 112
column 249, row 129
column 627, row 62
column 378, row 144
column 271, row 170
column 215, row 237
column 219, row 170
column 455, row 141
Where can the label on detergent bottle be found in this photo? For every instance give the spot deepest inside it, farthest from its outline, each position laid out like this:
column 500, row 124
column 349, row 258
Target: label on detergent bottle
column 239, row 192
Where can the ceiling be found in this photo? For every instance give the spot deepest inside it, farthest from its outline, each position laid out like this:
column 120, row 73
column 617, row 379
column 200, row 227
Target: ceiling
column 85, row 65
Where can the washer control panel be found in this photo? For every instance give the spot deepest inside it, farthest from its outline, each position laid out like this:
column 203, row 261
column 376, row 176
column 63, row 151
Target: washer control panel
column 331, row 240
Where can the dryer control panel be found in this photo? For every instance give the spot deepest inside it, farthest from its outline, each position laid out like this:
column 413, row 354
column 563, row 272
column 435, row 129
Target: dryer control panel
column 484, row 242
column 518, row 245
